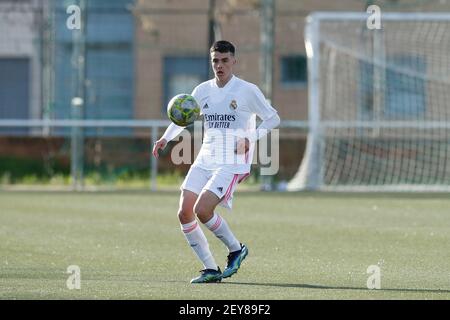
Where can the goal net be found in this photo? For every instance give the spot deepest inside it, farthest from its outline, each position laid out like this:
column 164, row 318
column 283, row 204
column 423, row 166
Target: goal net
column 379, row 103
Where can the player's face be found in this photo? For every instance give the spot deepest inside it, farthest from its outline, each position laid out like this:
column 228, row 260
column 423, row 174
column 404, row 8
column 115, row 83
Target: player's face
column 222, row 64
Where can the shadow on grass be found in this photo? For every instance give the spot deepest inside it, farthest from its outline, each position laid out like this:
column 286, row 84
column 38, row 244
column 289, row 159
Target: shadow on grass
column 314, row 286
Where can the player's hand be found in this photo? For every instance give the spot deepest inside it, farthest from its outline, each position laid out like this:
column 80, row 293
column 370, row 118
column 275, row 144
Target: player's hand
column 242, row 146
column 160, row 144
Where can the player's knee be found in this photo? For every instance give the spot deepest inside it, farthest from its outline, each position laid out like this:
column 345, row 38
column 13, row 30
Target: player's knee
column 202, row 211
column 185, row 215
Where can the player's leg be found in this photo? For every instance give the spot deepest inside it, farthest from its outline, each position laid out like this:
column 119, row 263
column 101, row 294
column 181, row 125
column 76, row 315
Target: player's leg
column 191, row 229
column 186, row 207
column 204, row 208
column 218, row 189
column 205, row 205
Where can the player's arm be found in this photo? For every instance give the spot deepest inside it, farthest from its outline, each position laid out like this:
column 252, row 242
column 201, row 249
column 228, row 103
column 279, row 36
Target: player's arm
column 267, row 113
column 171, row 132
column 265, row 127
column 269, row 116
column 243, row 145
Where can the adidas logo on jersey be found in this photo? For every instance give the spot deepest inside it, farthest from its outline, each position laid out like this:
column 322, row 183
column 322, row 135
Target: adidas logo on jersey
column 205, row 106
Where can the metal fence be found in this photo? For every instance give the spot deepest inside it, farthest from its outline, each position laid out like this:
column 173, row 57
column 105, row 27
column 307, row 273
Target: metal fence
column 78, row 143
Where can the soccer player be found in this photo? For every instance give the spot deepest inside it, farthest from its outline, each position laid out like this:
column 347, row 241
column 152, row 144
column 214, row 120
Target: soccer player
column 229, row 106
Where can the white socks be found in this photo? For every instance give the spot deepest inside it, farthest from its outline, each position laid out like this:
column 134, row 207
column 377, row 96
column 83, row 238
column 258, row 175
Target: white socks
column 197, row 240
column 220, row 228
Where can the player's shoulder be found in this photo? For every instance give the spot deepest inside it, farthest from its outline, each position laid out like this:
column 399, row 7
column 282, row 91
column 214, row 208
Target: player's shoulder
column 205, row 85
column 202, row 90
column 246, row 84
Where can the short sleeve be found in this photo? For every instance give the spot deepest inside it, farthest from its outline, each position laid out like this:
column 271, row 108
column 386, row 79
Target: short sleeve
column 258, row 104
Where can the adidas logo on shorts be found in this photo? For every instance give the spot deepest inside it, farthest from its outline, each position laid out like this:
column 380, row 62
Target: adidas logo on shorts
column 220, row 189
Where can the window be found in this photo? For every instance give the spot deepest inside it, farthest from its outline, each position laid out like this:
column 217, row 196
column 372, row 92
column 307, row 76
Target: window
column 109, row 66
column 405, row 93
column 403, row 90
column 182, row 75
column 294, row 70
column 14, row 91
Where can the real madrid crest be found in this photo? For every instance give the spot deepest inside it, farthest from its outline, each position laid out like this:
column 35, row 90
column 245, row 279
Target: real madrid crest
column 233, row 105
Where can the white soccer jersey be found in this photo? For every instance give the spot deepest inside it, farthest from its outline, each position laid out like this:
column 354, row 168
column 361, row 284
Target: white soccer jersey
column 229, row 113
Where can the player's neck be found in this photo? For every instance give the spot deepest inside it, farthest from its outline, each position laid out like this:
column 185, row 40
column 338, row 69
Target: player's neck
column 223, row 83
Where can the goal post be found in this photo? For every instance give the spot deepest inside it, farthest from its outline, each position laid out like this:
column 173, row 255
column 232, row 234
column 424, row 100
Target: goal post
column 379, row 103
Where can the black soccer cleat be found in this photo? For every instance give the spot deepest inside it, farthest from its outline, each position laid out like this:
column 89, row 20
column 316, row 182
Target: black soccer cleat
column 208, row 276
column 234, row 261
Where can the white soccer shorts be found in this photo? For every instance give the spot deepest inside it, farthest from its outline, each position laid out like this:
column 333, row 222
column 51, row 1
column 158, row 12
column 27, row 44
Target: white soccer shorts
column 219, row 182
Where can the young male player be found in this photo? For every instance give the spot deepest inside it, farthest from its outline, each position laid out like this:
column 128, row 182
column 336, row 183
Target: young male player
column 229, row 106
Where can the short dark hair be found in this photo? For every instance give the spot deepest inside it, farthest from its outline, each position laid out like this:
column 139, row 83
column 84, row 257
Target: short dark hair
column 223, row 46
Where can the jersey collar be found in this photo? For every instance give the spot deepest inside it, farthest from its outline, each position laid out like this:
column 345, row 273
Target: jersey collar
column 232, row 79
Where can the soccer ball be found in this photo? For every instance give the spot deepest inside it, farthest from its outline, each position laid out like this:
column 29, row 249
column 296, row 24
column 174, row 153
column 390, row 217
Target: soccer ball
column 183, row 110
